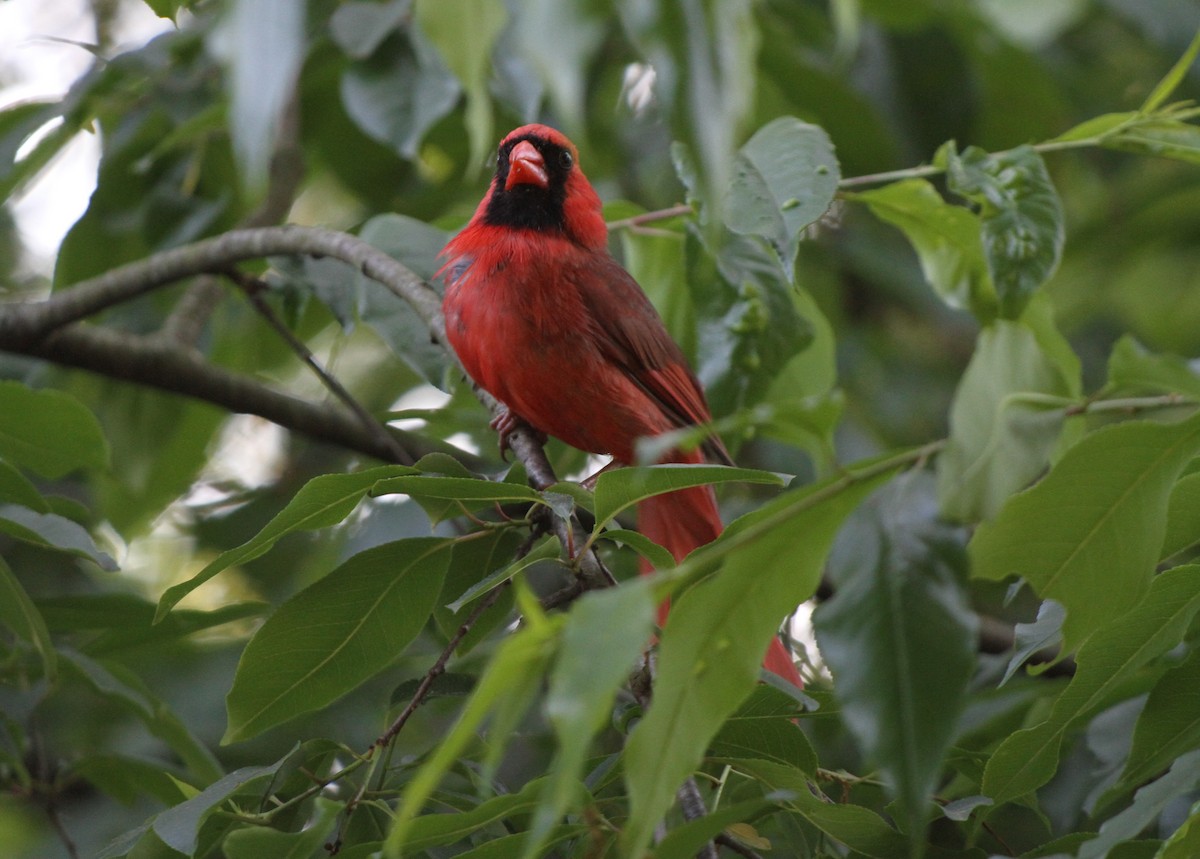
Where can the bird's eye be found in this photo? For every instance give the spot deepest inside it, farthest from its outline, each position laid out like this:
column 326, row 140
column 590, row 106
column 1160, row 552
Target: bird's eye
column 566, row 160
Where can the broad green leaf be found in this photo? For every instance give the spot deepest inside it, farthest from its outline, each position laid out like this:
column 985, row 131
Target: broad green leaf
column 899, row 637
column 784, row 180
column 359, row 28
column 946, row 238
column 1148, row 804
column 1183, row 516
column 1022, row 219
column 1166, row 138
column 16, row 488
column 603, row 635
column 749, row 324
column 1005, row 420
column 323, row 501
column 1163, row 89
column 121, row 686
column 1132, row 369
column 267, row 46
column 656, row 555
column 619, row 489
column 52, row 532
column 1169, row 724
column 520, row 657
column 397, row 96
column 717, row 632
column 1088, row 535
column 1028, row 759
column 764, row 728
column 467, row 50
column 258, row 842
column 336, row 633
column 179, row 826
column 48, row 431
column 19, row 614
column 1098, row 127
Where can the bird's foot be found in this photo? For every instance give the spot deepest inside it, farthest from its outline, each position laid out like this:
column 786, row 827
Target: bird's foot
column 506, row 424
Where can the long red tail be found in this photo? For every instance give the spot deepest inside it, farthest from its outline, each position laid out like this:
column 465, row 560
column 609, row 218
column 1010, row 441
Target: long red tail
column 684, row 520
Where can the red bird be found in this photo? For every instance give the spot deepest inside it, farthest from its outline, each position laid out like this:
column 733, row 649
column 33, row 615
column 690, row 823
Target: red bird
column 544, row 319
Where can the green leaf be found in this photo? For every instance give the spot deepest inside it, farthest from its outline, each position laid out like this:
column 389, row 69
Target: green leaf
column 15, row 487
column 1026, row 760
column 946, row 238
column 717, row 632
column 518, row 659
column 126, row 779
column 900, row 639
column 48, row 431
column 267, row 45
column 398, row 94
column 1183, row 516
column 604, row 633
column 471, row 561
column 1163, row 89
column 466, row 490
column 1184, row 842
column 1132, row 369
column 1089, row 534
column 684, row 842
column 256, row 842
column 658, row 557
column 1005, row 421
column 619, row 489
column 1148, row 804
column 1022, row 219
column 179, row 826
column 1169, row 724
column 764, row 727
column 468, row 53
column 19, row 614
column 52, row 531
column 336, row 633
column 1166, row 138
column 359, row 28
column 784, row 179
column 121, row 686
column 323, row 501
column 546, row 550
column 859, row 828
column 434, row 830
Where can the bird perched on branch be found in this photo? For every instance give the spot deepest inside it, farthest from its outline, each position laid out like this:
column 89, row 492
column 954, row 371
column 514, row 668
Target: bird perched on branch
column 549, row 323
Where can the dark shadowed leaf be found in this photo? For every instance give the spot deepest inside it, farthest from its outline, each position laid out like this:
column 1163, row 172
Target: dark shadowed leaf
column 48, row 431
column 20, row 615
column 52, row 531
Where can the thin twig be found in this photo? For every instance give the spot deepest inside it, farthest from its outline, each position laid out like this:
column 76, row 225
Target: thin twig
column 650, row 217
column 253, row 287
column 691, row 803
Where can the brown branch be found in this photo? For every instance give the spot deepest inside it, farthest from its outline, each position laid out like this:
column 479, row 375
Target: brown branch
column 650, row 217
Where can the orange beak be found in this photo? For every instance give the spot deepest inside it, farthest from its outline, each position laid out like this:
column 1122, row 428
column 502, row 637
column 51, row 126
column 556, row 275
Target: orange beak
column 526, row 167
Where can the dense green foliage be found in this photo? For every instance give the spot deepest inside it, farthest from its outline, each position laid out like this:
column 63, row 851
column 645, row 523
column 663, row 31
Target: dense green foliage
column 938, row 271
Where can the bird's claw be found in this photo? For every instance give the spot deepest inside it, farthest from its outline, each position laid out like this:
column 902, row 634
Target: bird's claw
column 505, row 425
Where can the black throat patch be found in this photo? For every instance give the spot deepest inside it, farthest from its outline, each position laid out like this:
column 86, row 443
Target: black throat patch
column 529, row 207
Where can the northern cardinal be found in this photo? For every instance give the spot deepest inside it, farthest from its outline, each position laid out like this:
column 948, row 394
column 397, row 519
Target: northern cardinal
column 548, row 322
